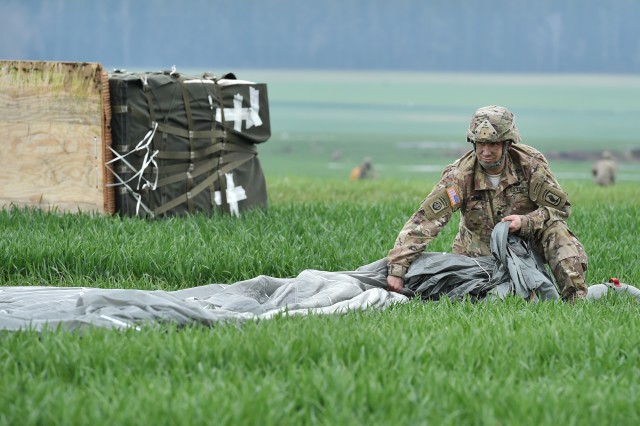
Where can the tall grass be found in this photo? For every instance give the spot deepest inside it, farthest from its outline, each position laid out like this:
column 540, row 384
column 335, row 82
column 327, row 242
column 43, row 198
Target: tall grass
column 420, row 363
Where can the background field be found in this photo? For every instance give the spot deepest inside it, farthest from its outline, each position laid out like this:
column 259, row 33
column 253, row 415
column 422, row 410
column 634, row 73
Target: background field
column 420, row 363
column 412, row 124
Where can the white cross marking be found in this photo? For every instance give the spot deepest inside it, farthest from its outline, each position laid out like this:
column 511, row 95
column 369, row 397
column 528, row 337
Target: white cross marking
column 234, row 194
column 237, row 114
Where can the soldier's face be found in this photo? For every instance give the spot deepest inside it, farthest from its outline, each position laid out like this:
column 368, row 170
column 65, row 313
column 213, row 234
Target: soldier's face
column 489, row 152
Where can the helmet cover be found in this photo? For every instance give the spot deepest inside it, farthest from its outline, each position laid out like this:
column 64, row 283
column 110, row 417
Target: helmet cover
column 493, row 124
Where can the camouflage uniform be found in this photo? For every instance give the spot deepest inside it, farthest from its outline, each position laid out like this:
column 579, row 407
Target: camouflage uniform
column 526, row 188
column 604, row 171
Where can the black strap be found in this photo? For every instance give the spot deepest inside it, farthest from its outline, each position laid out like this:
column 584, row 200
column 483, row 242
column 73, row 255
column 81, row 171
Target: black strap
column 194, row 172
column 189, row 134
column 223, row 141
column 187, row 108
column 201, row 186
column 204, row 152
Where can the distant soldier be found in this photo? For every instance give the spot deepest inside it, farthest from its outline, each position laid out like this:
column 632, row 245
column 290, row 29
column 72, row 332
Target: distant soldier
column 364, row 170
column 500, row 179
column 604, row 171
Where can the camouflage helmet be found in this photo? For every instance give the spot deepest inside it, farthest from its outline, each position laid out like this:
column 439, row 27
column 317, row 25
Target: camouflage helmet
column 493, row 124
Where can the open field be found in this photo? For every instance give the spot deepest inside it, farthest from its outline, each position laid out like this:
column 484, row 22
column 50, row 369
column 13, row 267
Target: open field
column 412, row 124
column 447, row 363
column 419, row 363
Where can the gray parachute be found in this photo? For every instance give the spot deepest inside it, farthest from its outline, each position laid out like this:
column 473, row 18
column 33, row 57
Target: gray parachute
column 599, row 291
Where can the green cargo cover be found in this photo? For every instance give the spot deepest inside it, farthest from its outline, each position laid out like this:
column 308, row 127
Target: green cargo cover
column 186, row 144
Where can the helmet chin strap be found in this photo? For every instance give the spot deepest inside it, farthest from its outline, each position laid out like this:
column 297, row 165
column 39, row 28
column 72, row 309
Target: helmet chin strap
column 496, row 164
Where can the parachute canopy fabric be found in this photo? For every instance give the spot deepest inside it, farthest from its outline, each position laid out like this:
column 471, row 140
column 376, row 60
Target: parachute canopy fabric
column 512, row 270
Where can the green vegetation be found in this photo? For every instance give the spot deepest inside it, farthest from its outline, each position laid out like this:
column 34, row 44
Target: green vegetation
column 446, row 363
column 419, row 363
column 19, row 77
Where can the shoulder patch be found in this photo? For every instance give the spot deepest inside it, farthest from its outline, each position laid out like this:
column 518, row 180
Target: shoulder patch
column 441, row 202
column 544, row 194
column 553, row 197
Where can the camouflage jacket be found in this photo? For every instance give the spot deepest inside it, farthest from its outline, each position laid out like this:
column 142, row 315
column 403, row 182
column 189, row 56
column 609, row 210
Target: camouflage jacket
column 527, row 188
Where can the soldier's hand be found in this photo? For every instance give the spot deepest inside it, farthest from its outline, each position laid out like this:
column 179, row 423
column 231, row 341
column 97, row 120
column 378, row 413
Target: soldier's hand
column 516, row 222
column 394, row 283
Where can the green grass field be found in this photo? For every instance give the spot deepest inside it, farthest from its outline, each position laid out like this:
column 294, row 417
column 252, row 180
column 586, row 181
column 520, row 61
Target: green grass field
column 447, row 363
column 419, row 363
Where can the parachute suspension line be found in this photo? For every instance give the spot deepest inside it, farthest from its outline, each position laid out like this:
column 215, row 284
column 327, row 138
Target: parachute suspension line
column 484, row 270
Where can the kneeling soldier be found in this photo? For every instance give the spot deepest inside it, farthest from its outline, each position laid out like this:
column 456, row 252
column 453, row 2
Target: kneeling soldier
column 501, row 179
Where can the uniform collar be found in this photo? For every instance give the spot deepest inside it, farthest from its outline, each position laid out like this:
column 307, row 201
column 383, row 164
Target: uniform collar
column 507, row 178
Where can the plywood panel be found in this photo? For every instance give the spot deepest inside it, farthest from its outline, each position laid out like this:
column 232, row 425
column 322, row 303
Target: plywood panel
column 54, row 136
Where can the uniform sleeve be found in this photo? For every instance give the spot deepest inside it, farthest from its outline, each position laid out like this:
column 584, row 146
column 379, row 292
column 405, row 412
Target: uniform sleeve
column 425, row 224
column 553, row 203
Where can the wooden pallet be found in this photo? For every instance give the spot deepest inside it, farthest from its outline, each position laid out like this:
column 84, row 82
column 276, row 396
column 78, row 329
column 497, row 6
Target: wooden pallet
column 55, row 136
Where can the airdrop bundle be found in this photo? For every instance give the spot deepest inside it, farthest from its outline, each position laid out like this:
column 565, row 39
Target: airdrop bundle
column 149, row 144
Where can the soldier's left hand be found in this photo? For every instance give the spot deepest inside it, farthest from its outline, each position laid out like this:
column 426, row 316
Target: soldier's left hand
column 516, row 222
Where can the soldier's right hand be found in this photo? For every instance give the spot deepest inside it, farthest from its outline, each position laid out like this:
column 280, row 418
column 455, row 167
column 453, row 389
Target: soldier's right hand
column 394, row 283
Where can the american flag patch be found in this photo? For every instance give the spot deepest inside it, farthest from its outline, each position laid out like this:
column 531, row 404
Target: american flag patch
column 453, row 196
